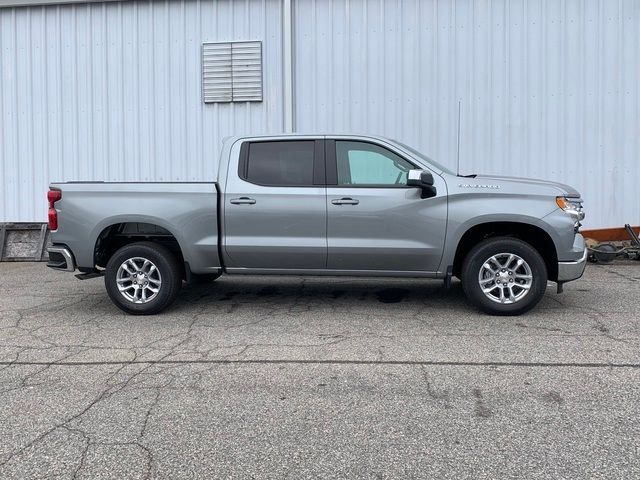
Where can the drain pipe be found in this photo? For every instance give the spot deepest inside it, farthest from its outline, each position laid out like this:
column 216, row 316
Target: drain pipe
column 287, row 65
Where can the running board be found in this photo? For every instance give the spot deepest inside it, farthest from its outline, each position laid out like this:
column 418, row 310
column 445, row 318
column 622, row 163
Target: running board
column 89, row 276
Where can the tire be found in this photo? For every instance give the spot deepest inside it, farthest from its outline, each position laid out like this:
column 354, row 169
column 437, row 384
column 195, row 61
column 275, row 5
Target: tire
column 511, row 292
column 605, row 253
column 163, row 282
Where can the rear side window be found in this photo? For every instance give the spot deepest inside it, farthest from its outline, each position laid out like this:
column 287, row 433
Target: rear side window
column 287, row 163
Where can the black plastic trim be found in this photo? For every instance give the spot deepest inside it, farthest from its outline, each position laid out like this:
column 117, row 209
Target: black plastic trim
column 219, row 225
column 332, row 165
column 188, row 274
column 319, row 163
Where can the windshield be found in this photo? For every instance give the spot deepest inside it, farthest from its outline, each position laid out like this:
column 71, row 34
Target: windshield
column 426, row 159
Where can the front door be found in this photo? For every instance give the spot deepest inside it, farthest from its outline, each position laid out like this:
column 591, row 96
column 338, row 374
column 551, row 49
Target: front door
column 275, row 214
column 374, row 220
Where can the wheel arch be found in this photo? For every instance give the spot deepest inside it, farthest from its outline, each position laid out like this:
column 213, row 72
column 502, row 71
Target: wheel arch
column 116, row 234
column 534, row 235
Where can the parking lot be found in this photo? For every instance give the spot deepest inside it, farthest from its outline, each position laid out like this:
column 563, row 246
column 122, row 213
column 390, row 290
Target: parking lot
column 318, row 377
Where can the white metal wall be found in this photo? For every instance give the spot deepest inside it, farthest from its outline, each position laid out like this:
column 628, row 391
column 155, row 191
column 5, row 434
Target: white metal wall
column 112, row 91
column 548, row 89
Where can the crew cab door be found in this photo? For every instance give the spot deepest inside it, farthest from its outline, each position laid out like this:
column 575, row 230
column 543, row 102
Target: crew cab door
column 274, row 206
column 374, row 220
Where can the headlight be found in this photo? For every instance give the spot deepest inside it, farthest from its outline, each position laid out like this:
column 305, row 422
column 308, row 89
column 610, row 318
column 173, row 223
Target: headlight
column 573, row 206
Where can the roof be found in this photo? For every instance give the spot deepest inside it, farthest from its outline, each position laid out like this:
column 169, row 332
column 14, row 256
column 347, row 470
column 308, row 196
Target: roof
column 31, row 3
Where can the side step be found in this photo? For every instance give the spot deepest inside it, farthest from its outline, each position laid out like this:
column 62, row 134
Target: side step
column 90, row 275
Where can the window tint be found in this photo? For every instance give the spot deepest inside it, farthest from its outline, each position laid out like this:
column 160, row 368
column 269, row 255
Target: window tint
column 361, row 163
column 280, row 163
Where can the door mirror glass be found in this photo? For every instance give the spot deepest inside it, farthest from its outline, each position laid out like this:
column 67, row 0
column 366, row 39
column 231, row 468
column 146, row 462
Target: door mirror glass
column 422, row 179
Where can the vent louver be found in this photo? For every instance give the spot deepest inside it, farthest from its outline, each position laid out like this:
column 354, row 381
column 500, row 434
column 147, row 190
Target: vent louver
column 232, row 72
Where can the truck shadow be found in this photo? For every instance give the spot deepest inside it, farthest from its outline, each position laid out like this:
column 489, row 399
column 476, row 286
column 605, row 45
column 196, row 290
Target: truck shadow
column 284, row 290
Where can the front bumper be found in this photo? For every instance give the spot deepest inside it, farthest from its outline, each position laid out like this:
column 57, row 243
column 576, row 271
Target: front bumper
column 568, row 271
column 61, row 258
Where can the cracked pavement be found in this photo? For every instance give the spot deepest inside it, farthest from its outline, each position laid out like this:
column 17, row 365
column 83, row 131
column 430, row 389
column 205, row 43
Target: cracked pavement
column 276, row 377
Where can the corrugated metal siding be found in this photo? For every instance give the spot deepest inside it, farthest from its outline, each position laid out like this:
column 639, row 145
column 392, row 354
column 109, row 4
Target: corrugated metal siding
column 548, row 89
column 113, row 91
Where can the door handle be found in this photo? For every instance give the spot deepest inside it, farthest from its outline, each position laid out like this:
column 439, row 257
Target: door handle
column 242, row 201
column 345, row 201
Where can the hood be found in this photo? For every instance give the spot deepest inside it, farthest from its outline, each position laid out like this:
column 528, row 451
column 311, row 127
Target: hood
column 515, row 182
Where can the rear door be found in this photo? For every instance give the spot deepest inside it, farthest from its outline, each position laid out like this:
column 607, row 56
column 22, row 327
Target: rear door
column 374, row 220
column 275, row 206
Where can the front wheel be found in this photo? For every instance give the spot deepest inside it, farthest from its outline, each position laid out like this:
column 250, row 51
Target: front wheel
column 504, row 276
column 143, row 278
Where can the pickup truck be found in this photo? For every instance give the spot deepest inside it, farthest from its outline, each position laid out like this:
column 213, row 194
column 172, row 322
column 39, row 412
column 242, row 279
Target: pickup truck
column 321, row 205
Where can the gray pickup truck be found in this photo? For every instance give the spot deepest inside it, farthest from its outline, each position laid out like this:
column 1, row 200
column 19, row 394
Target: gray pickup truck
column 321, row 205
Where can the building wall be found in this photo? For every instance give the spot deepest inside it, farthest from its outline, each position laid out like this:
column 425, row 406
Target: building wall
column 112, row 91
column 547, row 88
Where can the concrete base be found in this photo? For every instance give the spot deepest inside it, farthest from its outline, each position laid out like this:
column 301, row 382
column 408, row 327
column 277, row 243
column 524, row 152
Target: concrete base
column 24, row 242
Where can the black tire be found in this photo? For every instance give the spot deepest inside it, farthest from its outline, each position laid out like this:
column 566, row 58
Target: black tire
column 605, row 253
column 166, row 264
column 476, row 258
column 199, row 279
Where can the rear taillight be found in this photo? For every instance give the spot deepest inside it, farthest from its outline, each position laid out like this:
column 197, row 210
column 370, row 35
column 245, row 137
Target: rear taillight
column 53, row 196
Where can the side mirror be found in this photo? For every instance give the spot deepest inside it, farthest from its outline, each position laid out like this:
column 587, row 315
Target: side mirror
column 422, row 179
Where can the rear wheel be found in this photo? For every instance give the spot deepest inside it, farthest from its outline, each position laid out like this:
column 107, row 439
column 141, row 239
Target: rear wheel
column 143, row 278
column 504, row 276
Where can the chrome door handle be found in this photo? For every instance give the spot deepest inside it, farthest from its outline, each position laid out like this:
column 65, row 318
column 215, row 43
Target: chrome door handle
column 345, row 201
column 242, row 201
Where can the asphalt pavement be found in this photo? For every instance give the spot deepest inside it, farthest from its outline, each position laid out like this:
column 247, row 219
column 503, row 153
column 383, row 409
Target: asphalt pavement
column 289, row 377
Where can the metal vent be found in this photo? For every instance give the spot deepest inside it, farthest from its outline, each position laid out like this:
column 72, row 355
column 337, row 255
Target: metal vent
column 232, row 72
column 246, row 69
column 216, row 72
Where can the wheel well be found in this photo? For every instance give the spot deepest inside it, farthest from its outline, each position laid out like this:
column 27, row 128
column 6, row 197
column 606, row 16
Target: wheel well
column 534, row 236
column 118, row 235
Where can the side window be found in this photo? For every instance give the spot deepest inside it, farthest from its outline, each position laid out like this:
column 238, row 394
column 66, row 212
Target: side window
column 287, row 163
column 360, row 163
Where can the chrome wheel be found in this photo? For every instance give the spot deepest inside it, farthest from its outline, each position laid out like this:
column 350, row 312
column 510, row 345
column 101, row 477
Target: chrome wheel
column 505, row 278
column 138, row 280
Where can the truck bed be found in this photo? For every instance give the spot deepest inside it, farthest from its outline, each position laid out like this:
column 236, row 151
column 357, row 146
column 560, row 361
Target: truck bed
column 186, row 210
